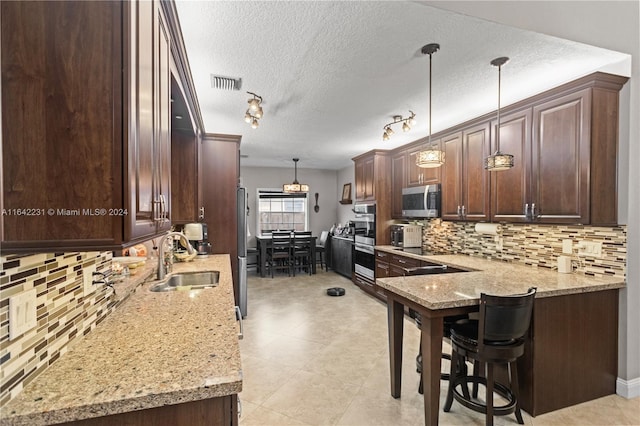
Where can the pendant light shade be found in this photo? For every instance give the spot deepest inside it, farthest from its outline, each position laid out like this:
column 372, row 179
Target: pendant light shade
column 433, row 156
column 498, row 161
column 295, row 186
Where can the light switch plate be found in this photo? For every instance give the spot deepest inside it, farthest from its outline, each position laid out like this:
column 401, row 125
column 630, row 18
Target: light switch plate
column 22, row 313
column 87, row 276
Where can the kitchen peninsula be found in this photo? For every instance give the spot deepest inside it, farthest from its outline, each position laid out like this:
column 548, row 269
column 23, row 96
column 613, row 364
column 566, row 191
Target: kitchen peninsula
column 160, row 358
column 571, row 351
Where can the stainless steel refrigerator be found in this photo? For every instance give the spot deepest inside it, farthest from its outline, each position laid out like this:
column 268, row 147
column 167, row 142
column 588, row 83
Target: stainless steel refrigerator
column 242, row 248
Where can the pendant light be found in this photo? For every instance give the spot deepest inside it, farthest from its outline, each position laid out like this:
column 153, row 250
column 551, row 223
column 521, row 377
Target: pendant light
column 498, row 161
column 433, row 156
column 295, row 186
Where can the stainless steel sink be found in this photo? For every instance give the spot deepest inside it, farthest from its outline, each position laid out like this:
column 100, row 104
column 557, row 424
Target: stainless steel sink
column 188, row 281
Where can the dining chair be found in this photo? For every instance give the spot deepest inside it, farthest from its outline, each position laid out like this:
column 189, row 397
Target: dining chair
column 320, row 249
column 497, row 337
column 280, row 252
column 302, row 251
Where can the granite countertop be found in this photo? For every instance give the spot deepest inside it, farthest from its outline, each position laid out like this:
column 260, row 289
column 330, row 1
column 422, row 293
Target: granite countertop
column 156, row 349
column 440, row 291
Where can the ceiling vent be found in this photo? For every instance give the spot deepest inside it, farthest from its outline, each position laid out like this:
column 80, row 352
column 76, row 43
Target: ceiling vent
column 225, row 83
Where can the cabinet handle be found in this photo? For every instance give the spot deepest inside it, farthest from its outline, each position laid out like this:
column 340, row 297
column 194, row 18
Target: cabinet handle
column 463, row 212
column 163, row 205
column 157, row 213
column 239, row 318
column 402, row 261
column 526, row 211
column 535, row 215
column 459, row 211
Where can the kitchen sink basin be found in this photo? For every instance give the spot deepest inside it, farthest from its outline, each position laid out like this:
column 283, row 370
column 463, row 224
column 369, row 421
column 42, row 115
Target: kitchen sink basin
column 188, row 281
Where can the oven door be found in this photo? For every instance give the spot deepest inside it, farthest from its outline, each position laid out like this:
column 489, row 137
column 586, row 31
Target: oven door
column 364, row 261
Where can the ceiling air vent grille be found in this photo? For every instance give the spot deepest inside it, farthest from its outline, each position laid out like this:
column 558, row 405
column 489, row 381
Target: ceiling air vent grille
column 225, row 83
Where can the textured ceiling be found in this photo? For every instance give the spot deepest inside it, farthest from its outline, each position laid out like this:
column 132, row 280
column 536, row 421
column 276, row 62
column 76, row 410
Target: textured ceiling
column 333, row 73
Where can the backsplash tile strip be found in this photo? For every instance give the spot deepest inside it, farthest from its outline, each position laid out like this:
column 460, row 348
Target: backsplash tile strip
column 531, row 244
column 63, row 313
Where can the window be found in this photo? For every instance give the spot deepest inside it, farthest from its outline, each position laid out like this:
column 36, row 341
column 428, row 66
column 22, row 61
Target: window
column 279, row 210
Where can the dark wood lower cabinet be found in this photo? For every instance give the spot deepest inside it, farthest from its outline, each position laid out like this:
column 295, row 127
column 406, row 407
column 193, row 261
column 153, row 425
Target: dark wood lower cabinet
column 222, row 411
column 572, row 355
column 342, row 256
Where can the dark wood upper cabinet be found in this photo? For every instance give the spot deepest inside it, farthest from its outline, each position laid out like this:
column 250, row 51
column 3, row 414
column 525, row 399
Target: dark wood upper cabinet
column 452, row 195
column 560, row 159
column 398, row 181
column 85, row 122
column 465, row 183
column 510, row 189
column 564, row 142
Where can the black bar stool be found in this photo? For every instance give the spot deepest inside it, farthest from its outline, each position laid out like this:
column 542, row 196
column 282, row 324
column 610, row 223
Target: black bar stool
column 497, row 337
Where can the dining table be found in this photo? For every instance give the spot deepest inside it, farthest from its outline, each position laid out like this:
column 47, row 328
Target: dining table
column 574, row 316
column 264, row 241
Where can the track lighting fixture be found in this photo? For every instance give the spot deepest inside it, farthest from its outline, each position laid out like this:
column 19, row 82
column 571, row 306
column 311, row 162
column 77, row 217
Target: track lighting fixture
column 407, row 123
column 433, row 156
column 498, row 161
column 254, row 113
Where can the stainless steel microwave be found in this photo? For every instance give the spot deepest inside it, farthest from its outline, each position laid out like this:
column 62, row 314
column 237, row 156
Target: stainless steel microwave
column 421, row 201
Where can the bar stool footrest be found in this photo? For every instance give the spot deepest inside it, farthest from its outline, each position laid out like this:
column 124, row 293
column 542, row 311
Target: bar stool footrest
column 478, row 407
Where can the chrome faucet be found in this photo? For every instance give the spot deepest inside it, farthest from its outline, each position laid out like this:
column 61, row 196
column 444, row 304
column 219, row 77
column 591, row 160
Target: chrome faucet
column 162, row 267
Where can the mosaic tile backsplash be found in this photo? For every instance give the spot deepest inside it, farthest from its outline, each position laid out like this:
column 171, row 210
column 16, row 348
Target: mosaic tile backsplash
column 535, row 245
column 64, row 314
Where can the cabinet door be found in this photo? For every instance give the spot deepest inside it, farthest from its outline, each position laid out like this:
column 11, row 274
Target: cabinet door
column 397, row 183
column 417, row 176
column 143, row 210
column 510, row 188
column 475, row 179
column 61, row 125
column 369, row 169
column 162, row 119
column 452, row 177
column 360, row 184
column 382, row 269
column 560, row 160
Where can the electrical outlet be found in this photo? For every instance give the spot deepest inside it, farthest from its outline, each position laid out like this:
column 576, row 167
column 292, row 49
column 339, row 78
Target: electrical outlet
column 590, row 248
column 22, row 313
column 567, row 246
column 87, row 277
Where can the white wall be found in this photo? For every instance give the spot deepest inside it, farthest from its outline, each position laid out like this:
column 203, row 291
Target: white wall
column 321, row 181
column 612, row 25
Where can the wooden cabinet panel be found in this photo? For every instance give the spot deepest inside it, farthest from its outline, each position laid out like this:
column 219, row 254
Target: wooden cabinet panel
column 475, row 179
column 398, row 181
column 360, row 183
column 560, row 159
column 369, row 193
column 510, row 189
column 452, row 177
column 97, row 129
column 220, row 173
column 220, row 411
column 61, row 113
column 162, row 117
column 184, row 177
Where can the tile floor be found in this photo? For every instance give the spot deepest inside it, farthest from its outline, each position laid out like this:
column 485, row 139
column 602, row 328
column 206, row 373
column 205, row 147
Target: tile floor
column 312, row 359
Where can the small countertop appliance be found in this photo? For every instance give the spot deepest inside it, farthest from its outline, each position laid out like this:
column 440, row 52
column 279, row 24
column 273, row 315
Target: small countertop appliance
column 198, row 236
column 406, row 235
